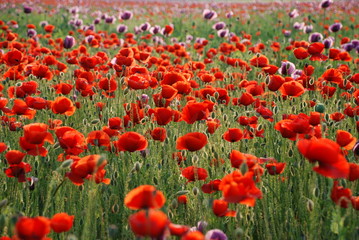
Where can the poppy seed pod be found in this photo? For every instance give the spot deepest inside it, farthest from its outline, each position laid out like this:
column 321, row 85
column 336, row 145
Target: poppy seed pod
column 69, row 42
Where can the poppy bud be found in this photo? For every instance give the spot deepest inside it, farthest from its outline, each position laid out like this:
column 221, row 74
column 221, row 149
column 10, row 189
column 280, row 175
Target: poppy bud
column 66, row 164
column 95, row 121
column 244, row 168
column 310, row 205
column 174, row 203
column 238, row 233
column 69, row 42
column 137, row 166
column 3, row 203
column 195, row 191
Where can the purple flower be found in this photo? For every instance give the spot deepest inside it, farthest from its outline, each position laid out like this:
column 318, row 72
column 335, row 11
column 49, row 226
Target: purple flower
column 335, row 27
column 219, row 26
column 209, row 14
column 89, row 38
column 229, row 14
column 97, row 21
column 293, row 14
column 69, row 42
column 145, row 27
column 122, row 28
column 31, row 33
column 287, row 33
column 110, row 19
column 356, row 149
column 201, row 226
column 155, row 29
column 223, row 33
column 355, row 43
column 287, row 68
column 348, row 47
column 308, row 29
column 215, row 234
column 27, row 9
column 315, row 37
column 326, row 3
column 328, row 42
column 298, row 26
column 126, row 15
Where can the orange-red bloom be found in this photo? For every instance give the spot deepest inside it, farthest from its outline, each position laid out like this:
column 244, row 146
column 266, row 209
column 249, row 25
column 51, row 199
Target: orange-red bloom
column 61, row 222
column 148, row 223
column 328, row 154
column 32, row 228
column 237, row 188
column 191, row 141
column 63, row 105
column 144, row 197
column 131, row 142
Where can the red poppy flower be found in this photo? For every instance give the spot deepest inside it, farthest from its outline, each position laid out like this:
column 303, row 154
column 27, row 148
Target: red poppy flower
column 168, row 92
column 159, row 134
column 32, row 228
column 275, row 82
column 292, row 88
column 178, row 230
column 328, row 154
column 259, row 61
column 18, row 170
column 162, row 115
column 345, row 139
column 193, row 173
column 191, row 141
column 148, row 223
column 63, row 105
column 42, row 71
column 131, row 141
column 195, row 111
column 63, row 88
column 71, row 140
column 144, row 197
column 182, row 199
column 14, row 157
column 237, row 159
column 61, row 222
column 237, row 188
column 301, row 53
column 353, row 172
column 13, row 58
column 341, row 196
column 20, row 108
column 275, row 168
column 196, row 235
column 333, row 75
column 3, row 147
column 98, row 138
column 88, row 167
column 355, row 202
column 220, row 209
column 212, row 125
column 211, row 187
column 233, row 135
